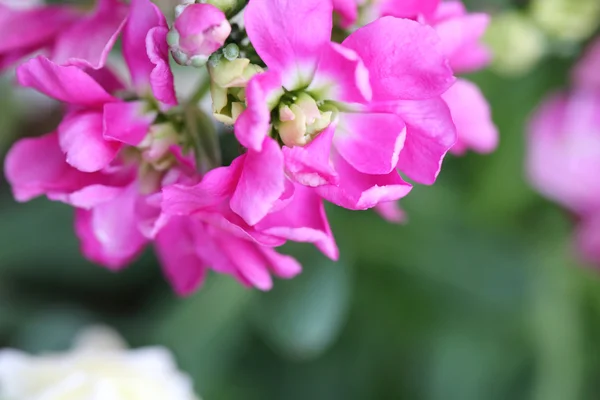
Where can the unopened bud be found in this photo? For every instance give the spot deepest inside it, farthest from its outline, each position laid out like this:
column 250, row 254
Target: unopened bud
column 199, row 30
column 567, row 19
column 231, row 51
column 301, row 121
column 156, row 145
column 516, row 42
column 228, row 86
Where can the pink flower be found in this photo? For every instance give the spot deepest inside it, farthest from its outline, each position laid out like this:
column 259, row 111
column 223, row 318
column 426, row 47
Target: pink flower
column 58, row 30
column 107, row 156
column 348, row 114
column 564, row 150
column 224, row 242
column 198, row 31
column 586, row 73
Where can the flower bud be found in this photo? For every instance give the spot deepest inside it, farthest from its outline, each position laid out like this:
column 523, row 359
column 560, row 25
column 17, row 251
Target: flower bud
column 199, row 30
column 228, row 83
column 156, row 145
column 516, row 42
column 301, row 121
column 567, row 19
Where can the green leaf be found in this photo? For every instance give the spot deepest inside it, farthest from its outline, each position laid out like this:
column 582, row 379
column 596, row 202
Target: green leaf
column 52, row 328
column 206, row 331
column 303, row 317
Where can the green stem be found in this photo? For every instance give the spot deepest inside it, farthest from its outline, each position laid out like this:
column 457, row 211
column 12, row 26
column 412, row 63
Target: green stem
column 201, row 90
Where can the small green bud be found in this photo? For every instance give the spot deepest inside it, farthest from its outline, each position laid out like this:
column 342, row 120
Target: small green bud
column 198, row 61
column 180, row 57
column 173, row 37
column 301, row 121
column 231, row 51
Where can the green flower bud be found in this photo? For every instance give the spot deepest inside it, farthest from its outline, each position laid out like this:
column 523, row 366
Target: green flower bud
column 571, row 20
column 301, row 121
column 517, row 43
column 228, row 83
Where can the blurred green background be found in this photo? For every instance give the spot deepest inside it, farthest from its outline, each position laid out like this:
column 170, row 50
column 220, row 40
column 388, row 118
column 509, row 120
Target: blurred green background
column 478, row 297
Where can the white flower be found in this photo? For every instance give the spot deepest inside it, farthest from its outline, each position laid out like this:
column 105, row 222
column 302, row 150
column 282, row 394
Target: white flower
column 98, row 368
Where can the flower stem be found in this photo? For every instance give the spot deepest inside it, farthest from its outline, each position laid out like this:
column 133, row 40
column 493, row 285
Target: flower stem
column 200, row 92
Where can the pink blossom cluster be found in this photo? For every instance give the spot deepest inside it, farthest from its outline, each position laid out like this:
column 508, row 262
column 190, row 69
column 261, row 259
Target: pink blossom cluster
column 564, row 150
column 317, row 120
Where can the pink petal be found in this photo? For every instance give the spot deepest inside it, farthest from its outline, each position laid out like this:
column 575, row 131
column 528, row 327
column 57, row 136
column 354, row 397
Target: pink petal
column 216, row 187
column 310, row 165
column 412, row 66
column 461, row 41
column 446, row 10
column 408, row 8
column 341, row 76
column 347, row 11
column 100, row 29
column 107, row 79
column 69, row 84
column 9, row 59
column 261, row 184
column 254, row 124
column 358, row 191
column 209, row 200
column 161, row 78
column 80, row 137
column 128, row 123
column 585, row 74
column 90, row 196
column 430, row 133
column 248, row 260
column 303, row 220
column 563, row 152
column 391, row 212
column 289, row 34
column 472, row 116
column 36, row 166
column 176, row 249
column 109, row 233
column 371, row 143
column 285, row 267
column 587, row 238
column 143, row 16
column 34, row 28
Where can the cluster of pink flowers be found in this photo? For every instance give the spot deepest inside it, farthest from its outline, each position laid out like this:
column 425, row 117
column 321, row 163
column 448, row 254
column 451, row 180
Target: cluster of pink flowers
column 318, row 121
column 564, row 151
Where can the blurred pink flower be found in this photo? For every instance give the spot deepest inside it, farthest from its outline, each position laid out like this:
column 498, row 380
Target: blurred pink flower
column 587, row 72
column 564, row 150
